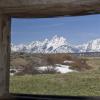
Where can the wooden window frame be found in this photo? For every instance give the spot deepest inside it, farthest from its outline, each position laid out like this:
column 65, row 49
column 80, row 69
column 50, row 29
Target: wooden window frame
column 6, row 13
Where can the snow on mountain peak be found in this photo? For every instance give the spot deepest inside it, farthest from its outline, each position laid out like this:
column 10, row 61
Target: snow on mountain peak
column 94, row 46
column 56, row 41
column 57, row 44
column 91, row 46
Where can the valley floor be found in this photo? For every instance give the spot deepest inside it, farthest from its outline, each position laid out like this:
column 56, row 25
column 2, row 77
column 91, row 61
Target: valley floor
column 70, row 84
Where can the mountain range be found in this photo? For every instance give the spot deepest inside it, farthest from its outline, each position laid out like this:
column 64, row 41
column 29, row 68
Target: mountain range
column 57, row 44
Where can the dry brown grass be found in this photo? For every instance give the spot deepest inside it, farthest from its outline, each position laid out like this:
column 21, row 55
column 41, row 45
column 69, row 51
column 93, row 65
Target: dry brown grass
column 30, row 61
column 79, row 64
column 57, row 58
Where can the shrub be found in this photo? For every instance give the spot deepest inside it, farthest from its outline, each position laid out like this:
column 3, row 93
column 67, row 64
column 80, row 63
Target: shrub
column 80, row 65
column 57, row 58
column 49, row 71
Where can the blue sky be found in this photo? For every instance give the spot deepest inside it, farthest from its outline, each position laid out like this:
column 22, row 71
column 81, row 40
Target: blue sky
column 76, row 30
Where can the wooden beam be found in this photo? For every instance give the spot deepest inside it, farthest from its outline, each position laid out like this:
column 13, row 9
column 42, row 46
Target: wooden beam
column 23, row 3
column 4, row 54
column 49, row 8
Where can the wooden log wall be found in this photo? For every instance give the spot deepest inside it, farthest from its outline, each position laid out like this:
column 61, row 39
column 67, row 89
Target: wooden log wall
column 4, row 54
column 49, row 8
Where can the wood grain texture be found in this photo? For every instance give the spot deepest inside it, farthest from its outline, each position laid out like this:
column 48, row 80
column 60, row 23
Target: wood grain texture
column 20, row 3
column 49, row 8
column 4, row 54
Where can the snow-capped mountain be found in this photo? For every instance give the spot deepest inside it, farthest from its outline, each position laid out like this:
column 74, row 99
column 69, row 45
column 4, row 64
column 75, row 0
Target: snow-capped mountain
column 56, row 45
column 91, row 46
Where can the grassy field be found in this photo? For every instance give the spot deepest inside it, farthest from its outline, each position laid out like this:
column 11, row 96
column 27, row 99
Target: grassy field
column 71, row 84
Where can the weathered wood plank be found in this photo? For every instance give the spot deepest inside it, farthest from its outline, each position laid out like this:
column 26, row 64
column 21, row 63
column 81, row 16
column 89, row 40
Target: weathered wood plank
column 20, row 3
column 49, row 8
column 4, row 54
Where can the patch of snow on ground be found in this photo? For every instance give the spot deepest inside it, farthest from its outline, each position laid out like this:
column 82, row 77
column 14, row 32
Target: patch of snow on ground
column 43, row 68
column 63, row 68
column 60, row 68
column 13, row 71
column 68, row 61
